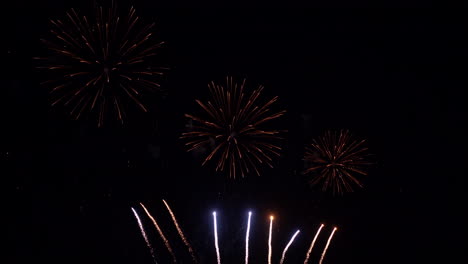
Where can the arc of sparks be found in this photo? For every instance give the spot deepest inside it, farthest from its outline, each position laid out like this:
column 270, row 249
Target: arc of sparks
column 247, row 239
column 326, row 246
column 269, row 239
column 144, row 235
column 181, row 233
column 215, row 226
column 283, row 256
column 161, row 234
column 312, row 244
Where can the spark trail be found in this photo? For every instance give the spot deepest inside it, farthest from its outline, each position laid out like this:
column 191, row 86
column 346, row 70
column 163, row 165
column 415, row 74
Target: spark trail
column 215, row 226
column 161, row 234
column 144, row 235
column 288, row 245
column 312, row 244
column 269, row 239
column 181, row 234
column 247, row 240
column 326, row 246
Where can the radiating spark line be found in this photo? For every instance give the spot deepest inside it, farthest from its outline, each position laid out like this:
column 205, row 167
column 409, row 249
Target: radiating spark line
column 269, row 239
column 181, row 234
column 326, row 246
column 312, row 244
column 161, row 234
column 247, row 240
column 283, row 256
column 144, row 235
column 215, row 226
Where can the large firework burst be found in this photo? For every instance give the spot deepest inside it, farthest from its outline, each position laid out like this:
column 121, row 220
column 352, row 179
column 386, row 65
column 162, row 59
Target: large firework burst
column 99, row 64
column 336, row 159
column 232, row 127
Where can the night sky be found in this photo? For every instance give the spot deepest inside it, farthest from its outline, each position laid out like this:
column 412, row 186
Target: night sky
column 396, row 78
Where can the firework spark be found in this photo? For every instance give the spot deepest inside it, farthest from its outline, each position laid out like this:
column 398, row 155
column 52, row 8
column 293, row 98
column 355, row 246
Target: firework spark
column 326, row 246
column 215, row 226
column 247, row 239
column 269, row 239
column 283, row 256
column 232, row 126
column 144, row 235
column 181, row 233
column 216, row 238
column 336, row 158
column 100, row 63
column 312, row 244
column 161, row 234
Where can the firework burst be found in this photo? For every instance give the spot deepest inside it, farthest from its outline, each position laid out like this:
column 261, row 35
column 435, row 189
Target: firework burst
column 336, row 158
column 102, row 63
column 232, row 127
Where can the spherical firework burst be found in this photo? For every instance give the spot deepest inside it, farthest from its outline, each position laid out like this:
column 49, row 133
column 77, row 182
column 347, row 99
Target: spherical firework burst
column 336, row 159
column 100, row 64
column 232, row 126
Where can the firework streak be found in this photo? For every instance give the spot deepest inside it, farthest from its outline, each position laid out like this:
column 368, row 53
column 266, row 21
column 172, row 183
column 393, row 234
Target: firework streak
column 181, row 234
column 269, row 240
column 161, row 234
column 326, row 246
column 247, row 240
column 216, row 238
column 287, row 246
column 215, row 226
column 312, row 244
column 144, row 235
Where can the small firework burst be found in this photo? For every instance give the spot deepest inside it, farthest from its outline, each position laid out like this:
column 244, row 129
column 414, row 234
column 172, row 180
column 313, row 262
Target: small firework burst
column 336, row 159
column 232, row 125
column 100, row 64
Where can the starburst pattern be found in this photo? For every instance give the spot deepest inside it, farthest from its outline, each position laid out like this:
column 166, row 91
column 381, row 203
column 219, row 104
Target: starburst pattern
column 233, row 127
column 102, row 63
column 336, row 159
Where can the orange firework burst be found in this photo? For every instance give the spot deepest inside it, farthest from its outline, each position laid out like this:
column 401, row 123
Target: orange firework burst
column 101, row 63
column 336, row 158
column 232, row 127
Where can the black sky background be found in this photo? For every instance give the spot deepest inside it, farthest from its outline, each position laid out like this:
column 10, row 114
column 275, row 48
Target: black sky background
column 394, row 77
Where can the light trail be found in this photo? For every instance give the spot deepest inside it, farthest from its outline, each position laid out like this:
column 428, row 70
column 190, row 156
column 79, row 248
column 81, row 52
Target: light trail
column 269, row 239
column 287, row 246
column 215, row 226
column 247, row 240
column 161, row 234
column 326, row 246
column 312, row 244
column 144, row 235
column 179, row 230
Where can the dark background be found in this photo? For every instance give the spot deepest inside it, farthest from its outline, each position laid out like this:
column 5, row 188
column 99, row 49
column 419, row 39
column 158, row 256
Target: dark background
column 393, row 77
